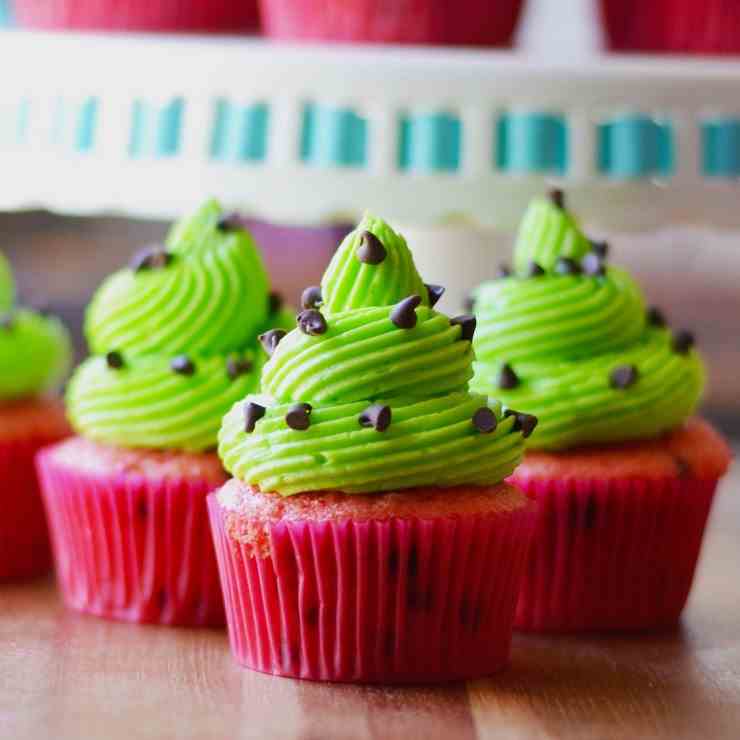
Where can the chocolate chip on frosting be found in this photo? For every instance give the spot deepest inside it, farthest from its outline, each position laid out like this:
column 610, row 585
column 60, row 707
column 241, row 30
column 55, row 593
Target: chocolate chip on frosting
column 567, row 266
column 312, row 322
column 298, row 417
column 600, row 249
column 7, row 322
column 236, row 366
column 484, row 420
column 507, row 378
column 623, row 376
column 593, row 265
column 183, row 365
column 274, row 303
column 311, row 297
column 435, row 293
column 229, row 222
column 403, row 314
column 503, row 271
column 557, row 197
column 468, row 323
column 682, row 341
column 534, row 270
column 253, row 412
column 370, row 250
column 376, row 416
column 271, row 339
column 153, row 257
column 524, row 423
column 114, row 360
column 655, row 317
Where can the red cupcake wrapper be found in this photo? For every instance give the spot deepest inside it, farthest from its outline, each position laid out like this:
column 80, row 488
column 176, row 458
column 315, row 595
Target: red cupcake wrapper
column 24, row 539
column 611, row 554
column 138, row 15
column 391, row 601
column 132, row 549
column 467, row 22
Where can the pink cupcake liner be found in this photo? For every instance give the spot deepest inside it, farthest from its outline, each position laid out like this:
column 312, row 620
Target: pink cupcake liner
column 611, row 554
column 138, row 15
column 400, row 600
column 467, row 22
column 24, row 539
column 132, row 549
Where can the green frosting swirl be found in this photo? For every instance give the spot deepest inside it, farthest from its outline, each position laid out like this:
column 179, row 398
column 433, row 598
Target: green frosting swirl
column 35, row 350
column 205, row 304
column 365, row 359
column 565, row 335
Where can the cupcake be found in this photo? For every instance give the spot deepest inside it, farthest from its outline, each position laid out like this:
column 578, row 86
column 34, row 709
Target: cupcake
column 672, row 26
column 466, row 23
column 174, row 344
column 621, row 470
column 137, row 15
column 35, row 354
column 367, row 535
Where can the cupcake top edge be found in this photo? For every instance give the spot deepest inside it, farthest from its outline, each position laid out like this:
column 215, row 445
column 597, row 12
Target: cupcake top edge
column 370, row 392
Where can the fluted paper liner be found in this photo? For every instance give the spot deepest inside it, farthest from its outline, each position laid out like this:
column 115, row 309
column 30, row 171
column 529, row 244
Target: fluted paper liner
column 611, row 554
column 397, row 600
column 130, row 548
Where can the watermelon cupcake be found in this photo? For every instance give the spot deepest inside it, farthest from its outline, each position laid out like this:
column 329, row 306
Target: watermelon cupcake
column 368, row 535
column 466, row 23
column 35, row 355
column 174, row 344
column 672, row 26
column 219, row 16
column 623, row 473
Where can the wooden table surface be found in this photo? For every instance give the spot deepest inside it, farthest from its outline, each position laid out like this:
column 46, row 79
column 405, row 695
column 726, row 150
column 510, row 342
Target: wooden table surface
column 69, row 677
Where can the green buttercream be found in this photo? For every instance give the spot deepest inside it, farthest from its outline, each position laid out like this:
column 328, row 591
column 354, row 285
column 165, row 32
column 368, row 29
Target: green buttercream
column 548, row 232
column 363, row 359
column 7, row 286
column 563, row 336
column 208, row 303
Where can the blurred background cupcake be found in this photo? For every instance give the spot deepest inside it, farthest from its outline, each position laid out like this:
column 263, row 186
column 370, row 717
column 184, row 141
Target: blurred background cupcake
column 464, row 23
column 219, row 16
column 174, row 343
column 623, row 474
column 35, row 355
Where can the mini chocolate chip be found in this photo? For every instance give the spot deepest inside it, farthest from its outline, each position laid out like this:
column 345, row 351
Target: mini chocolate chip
column 236, row 366
column 298, row 417
column 534, row 270
column 600, row 249
column 311, row 297
column 182, row 365
column 484, row 420
column 593, row 265
column 507, row 378
column 655, row 317
column 312, row 322
column 435, row 293
column 503, row 271
column 524, row 423
column 403, row 314
column 151, row 258
column 229, row 222
column 7, row 322
column 467, row 322
column 114, row 360
column 370, row 250
column 623, row 376
column 376, row 416
column 469, row 304
column 557, row 197
column 253, row 412
column 567, row 266
column 271, row 339
column 682, row 341
column 275, row 303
